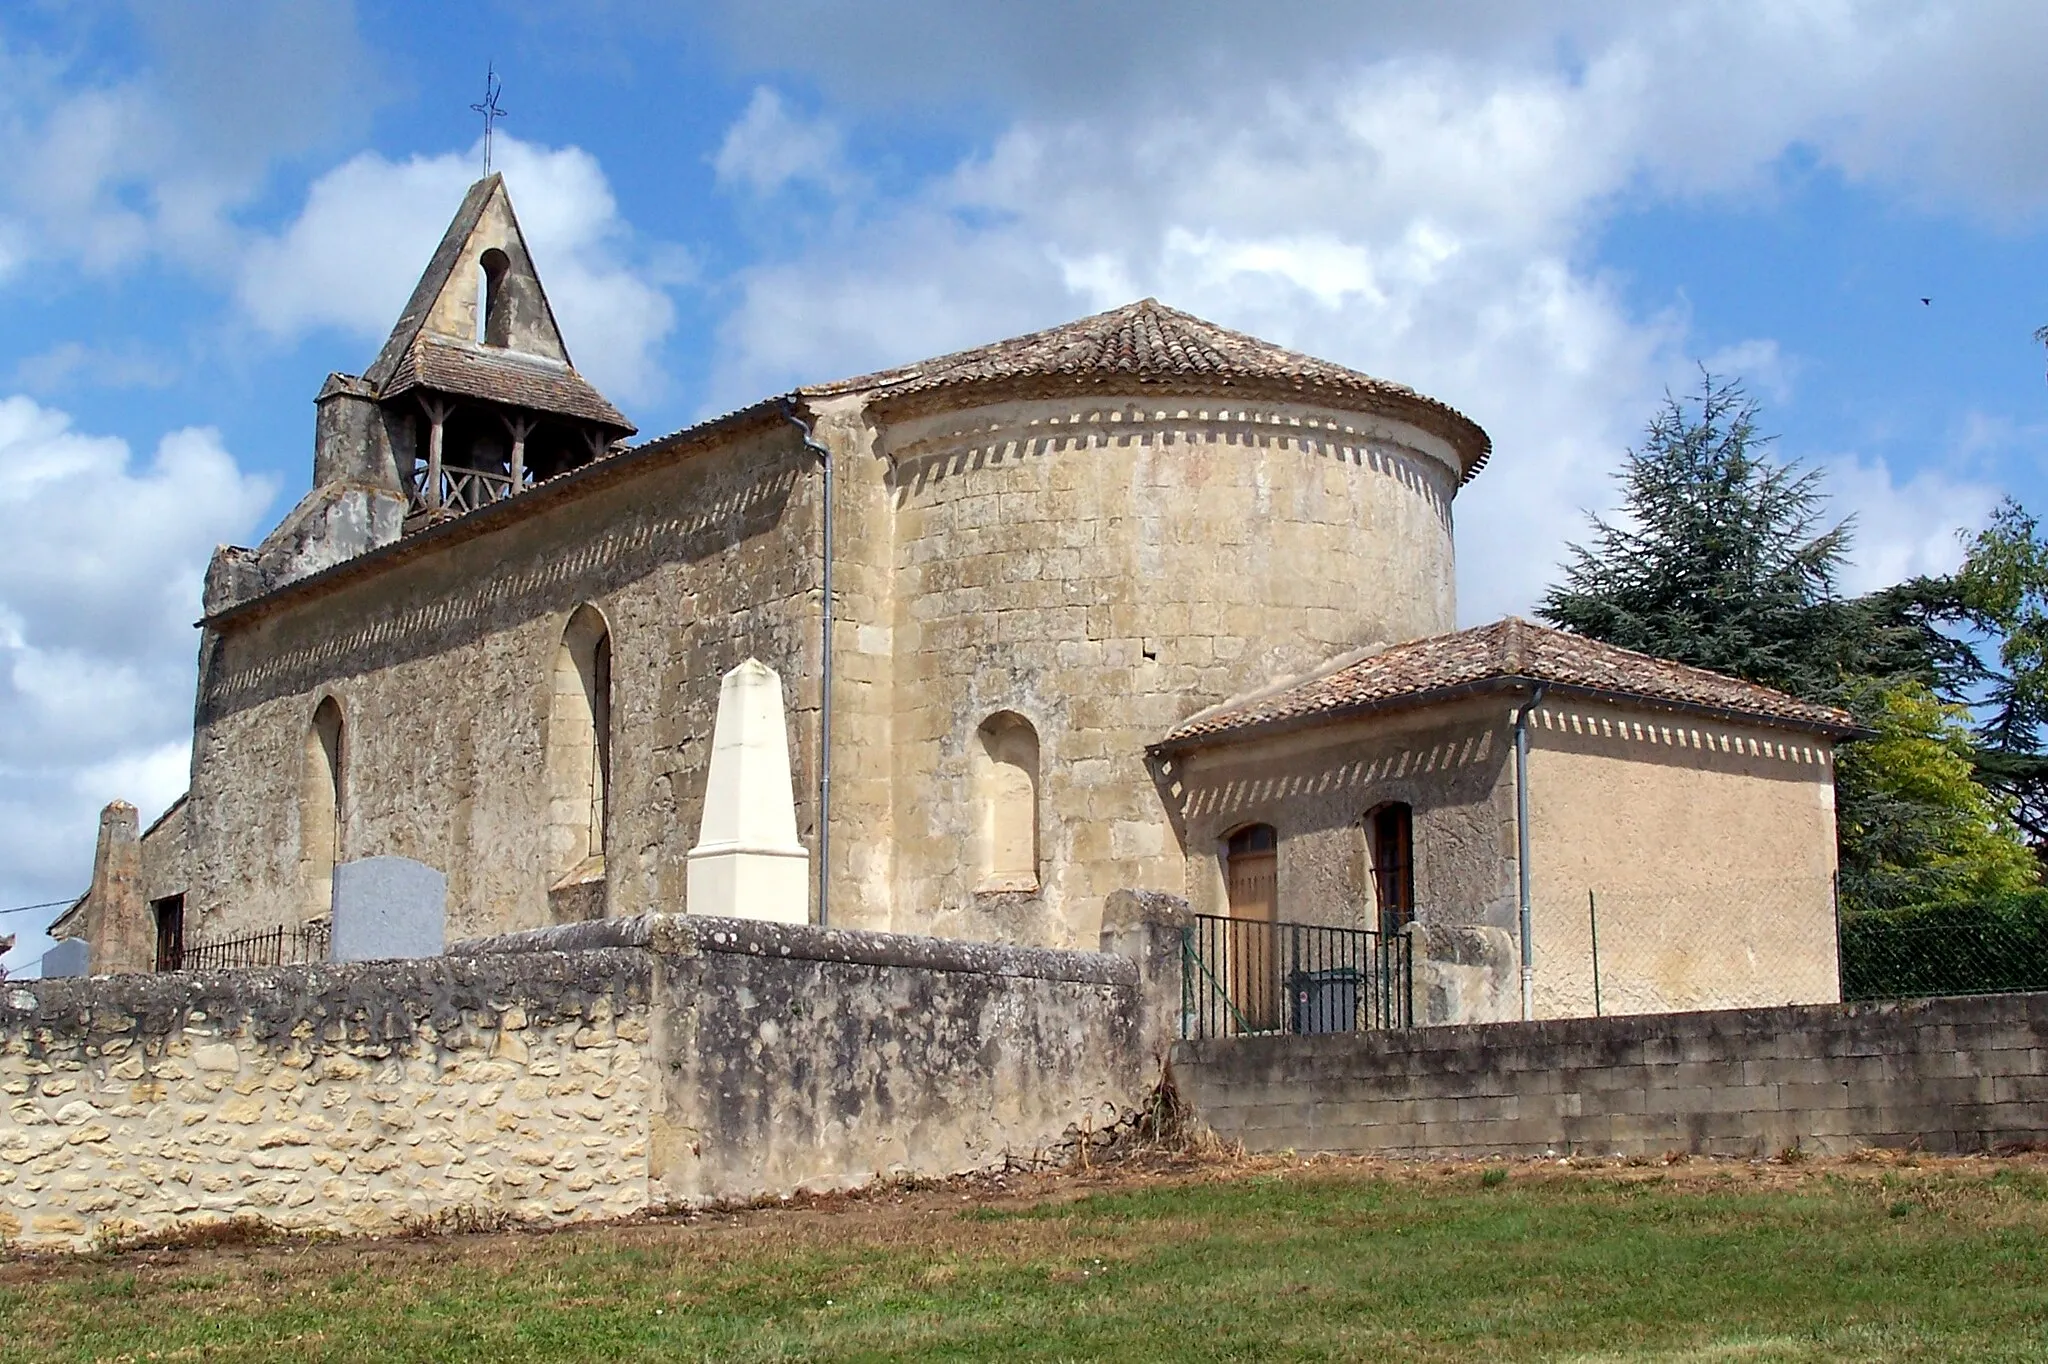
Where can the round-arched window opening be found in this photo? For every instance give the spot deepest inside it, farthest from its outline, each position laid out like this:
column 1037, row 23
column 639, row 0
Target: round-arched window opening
column 497, row 305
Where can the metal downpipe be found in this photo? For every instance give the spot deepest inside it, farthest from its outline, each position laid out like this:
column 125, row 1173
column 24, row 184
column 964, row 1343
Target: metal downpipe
column 824, row 455
column 1522, row 848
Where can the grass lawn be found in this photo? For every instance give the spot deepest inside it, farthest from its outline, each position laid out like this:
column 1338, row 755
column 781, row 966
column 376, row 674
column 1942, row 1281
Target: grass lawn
column 1700, row 1261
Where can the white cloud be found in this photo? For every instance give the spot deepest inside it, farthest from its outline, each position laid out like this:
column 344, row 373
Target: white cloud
column 351, row 257
column 1904, row 527
column 1421, row 201
column 101, row 561
column 108, row 168
column 769, row 147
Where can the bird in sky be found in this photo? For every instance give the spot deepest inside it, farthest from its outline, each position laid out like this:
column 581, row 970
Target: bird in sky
column 1927, row 302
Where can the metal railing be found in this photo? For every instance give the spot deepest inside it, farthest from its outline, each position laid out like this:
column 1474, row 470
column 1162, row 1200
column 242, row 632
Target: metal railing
column 1247, row 976
column 280, row 946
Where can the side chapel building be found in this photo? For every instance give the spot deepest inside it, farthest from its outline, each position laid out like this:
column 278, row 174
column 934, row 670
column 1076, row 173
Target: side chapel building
column 1133, row 602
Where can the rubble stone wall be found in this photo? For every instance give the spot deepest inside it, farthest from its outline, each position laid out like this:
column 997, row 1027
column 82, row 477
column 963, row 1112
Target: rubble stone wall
column 587, row 1071
column 345, row 1098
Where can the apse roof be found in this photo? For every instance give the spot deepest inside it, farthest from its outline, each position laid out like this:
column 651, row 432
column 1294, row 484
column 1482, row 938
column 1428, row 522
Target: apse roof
column 1153, row 343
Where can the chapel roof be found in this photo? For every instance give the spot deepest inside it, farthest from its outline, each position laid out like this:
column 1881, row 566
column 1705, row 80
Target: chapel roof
column 1153, row 343
column 1506, row 652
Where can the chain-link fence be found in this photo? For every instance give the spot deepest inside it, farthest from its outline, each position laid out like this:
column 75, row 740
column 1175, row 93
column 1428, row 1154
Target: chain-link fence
column 1756, row 943
column 1961, row 949
column 1652, row 949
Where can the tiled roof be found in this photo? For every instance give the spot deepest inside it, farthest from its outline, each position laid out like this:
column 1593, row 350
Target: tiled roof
column 1153, row 343
column 501, row 376
column 1409, row 674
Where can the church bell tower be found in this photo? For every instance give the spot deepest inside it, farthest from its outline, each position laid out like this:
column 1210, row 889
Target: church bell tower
column 475, row 383
column 472, row 401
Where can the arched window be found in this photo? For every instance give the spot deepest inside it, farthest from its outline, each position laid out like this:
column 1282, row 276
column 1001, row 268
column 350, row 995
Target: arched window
column 1006, row 789
column 1390, row 830
column 1251, row 878
column 321, row 778
column 579, row 755
column 496, row 319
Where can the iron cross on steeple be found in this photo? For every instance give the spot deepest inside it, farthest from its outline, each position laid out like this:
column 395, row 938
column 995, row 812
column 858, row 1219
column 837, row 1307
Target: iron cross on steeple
column 489, row 109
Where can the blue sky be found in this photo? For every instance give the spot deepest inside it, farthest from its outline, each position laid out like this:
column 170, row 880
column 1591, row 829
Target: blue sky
column 1543, row 214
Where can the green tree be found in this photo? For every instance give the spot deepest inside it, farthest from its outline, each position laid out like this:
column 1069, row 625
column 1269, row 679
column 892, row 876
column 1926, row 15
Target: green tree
column 1724, row 558
column 2001, row 594
column 1916, row 826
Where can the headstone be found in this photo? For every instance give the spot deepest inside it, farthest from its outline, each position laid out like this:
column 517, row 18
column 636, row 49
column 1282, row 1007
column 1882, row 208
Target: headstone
column 68, row 958
column 388, row 907
column 748, row 863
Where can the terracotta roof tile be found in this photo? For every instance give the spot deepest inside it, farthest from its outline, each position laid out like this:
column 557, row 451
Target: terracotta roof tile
column 502, row 376
column 1151, row 342
column 1408, row 674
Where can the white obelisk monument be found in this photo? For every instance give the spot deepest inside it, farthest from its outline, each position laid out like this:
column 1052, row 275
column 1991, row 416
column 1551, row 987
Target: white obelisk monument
column 748, row 863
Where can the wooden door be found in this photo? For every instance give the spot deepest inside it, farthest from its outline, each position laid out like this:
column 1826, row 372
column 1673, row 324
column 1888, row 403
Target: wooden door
column 1252, row 878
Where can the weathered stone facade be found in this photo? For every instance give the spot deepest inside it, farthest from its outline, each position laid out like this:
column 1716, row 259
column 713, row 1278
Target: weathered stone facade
column 1059, row 566
column 1088, row 565
column 442, row 662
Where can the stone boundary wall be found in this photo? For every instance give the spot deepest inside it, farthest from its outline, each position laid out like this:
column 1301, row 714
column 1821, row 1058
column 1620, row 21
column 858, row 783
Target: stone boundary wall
column 592, row 1070
column 793, row 1056
column 337, row 1097
column 1945, row 1075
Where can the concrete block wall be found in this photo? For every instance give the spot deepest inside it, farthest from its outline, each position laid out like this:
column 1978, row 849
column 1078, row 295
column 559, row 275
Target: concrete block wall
column 1943, row 1075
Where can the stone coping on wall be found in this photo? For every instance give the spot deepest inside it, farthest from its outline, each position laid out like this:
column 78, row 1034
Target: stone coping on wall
column 690, row 935
column 384, row 1002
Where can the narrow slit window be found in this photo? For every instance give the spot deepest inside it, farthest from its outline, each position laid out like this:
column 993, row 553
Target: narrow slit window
column 579, row 757
column 496, row 318
column 1393, row 865
column 321, row 785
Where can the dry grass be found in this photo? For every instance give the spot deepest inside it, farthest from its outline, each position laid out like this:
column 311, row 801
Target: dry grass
column 1880, row 1257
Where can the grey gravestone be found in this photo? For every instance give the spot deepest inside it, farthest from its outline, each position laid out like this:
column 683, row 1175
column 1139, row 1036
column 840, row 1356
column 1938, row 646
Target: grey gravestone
column 67, row 958
column 386, row 907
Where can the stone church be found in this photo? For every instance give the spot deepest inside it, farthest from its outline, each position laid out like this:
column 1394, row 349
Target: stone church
column 1134, row 602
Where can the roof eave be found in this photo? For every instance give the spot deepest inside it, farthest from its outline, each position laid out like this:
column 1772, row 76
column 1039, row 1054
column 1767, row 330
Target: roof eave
column 1469, row 439
column 1518, row 682
column 561, row 488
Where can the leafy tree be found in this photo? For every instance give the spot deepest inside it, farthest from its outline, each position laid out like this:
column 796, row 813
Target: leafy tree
column 1916, row 827
column 2001, row 593
column 1724, row 558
